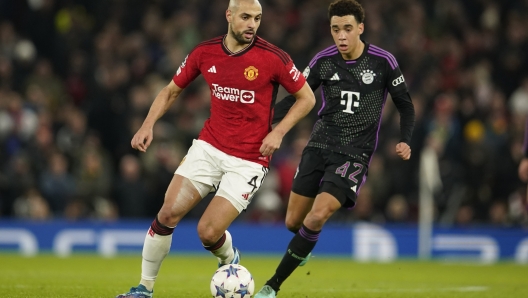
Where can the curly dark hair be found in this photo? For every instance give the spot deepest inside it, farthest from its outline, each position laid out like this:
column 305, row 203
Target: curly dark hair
column 342, row 8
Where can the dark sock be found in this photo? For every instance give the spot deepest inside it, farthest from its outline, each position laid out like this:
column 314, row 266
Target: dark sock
column 300, row 246
column 160, row 229
column 217, row 245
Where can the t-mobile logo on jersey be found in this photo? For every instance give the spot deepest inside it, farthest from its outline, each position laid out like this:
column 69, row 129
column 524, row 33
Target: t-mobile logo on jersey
column 233, row 94
column 349, row 100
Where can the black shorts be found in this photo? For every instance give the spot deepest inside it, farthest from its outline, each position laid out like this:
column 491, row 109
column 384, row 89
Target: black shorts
column 322, row 170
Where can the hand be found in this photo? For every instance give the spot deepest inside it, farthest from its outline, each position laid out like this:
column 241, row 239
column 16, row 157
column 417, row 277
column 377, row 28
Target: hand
column 523, row 170
column 271, row 143
column 142, row 139
column 403, row 150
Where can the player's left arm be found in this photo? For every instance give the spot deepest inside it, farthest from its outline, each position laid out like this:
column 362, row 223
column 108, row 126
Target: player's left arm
column 402, row 100
column 294, row 82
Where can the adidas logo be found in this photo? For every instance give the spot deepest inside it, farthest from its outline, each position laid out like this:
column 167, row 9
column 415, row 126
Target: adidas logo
column 334, row 78
column 212, row 69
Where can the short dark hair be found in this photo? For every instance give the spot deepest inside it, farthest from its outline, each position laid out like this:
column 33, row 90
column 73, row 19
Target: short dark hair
column 343, row 8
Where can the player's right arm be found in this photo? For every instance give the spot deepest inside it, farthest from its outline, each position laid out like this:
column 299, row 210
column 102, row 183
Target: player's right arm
column 186, row 73
column 304, row 102
column 165, row 98
column 283, row 107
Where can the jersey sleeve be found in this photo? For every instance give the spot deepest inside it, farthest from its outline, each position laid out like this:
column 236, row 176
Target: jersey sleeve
column 402, row 100
column 283, row 107
column 407, row 116
column 289, row 77
column 188, row 70
column 396, row 82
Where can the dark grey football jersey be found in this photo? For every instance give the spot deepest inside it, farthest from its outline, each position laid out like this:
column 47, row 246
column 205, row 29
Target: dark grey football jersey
column 353, row 94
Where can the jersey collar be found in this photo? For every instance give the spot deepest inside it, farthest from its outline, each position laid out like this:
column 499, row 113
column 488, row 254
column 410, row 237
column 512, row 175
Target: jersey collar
column 239, row 53
column 347, row 63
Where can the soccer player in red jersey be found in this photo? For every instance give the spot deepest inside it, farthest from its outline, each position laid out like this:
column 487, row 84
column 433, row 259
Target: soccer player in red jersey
column 233, row 150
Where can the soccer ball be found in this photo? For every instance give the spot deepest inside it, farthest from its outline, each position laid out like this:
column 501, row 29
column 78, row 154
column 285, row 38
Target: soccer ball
column 232, row 281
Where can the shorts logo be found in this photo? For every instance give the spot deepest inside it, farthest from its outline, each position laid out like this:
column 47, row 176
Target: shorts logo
column 251, row 73
column 367, row 76
column 398, row 81
column 245, row 196
column 233, row 94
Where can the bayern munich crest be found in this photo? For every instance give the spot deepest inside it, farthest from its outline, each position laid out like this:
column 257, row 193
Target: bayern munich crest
column 251, row 73
column 367, row 76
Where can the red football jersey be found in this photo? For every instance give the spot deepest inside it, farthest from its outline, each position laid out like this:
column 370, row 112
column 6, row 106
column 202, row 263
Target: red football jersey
column 243, row 87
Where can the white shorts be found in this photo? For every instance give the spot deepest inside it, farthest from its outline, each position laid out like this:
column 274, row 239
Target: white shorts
column 233, row 178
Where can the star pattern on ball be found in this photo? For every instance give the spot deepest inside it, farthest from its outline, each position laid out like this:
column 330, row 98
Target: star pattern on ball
column 220, row 291
column 231, row 271
column 243, row 291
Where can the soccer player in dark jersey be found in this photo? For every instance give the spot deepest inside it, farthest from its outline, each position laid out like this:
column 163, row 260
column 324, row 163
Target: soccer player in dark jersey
column 233, row 150
column 523, row 166
column 355, row 78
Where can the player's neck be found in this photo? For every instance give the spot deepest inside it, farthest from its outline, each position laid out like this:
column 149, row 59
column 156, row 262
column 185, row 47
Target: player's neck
column 355, row 53
column 234, row 46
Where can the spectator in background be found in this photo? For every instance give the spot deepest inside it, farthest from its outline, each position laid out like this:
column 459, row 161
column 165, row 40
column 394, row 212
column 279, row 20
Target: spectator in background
column 130, row 190
column 96, row 54
column 523, row 166
column 57, row 184
column 15, row 180
column 32, row 206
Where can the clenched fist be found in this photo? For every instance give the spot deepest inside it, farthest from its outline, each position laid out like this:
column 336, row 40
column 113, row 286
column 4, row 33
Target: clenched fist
column 403, row 150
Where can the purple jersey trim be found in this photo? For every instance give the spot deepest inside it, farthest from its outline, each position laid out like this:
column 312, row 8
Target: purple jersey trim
column 381, row 53
column 324, row 102
column 377, row 138
column 330, row 51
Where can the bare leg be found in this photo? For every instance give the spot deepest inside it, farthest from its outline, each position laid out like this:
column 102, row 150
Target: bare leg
column 180, row 198
column 212, row 228
column 298, row 208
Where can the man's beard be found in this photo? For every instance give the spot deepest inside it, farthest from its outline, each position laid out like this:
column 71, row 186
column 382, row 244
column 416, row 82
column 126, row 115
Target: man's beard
column 239, row 37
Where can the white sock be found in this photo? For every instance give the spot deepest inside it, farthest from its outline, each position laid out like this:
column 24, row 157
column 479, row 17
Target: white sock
column 225, row 253
column 155, row 249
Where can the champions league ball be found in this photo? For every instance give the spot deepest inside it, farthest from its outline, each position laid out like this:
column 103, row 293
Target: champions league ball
column 232, row 281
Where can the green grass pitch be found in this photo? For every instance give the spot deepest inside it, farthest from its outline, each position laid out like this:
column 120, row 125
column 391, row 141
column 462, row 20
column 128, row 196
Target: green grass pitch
column 189, row 276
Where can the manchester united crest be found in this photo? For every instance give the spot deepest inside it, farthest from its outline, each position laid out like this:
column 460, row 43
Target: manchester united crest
column 251, row 73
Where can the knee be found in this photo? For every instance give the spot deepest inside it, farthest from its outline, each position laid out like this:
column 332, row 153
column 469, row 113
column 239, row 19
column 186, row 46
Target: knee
column 167, row 217
column 207, row 233
column 292, row 224
column 316, row 219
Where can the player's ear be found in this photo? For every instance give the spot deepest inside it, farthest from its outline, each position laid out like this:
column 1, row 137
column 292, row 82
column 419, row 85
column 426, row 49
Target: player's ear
column 361, row 28
column 229, row 15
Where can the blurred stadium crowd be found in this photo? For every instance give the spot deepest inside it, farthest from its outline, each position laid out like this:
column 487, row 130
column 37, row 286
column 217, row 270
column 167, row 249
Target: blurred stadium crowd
column 77, row 78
